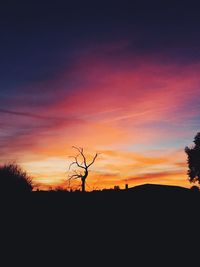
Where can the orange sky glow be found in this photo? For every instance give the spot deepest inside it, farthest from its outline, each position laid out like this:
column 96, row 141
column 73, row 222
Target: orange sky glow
column 136, row 113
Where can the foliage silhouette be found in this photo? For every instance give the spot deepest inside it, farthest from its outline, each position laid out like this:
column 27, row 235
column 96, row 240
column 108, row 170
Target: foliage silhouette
column 195, row 188
column 193, row 154
column 84, row 166
column 14, row 180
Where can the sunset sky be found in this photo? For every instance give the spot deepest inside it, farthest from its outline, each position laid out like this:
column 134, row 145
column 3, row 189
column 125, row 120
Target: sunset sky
column 122, row 80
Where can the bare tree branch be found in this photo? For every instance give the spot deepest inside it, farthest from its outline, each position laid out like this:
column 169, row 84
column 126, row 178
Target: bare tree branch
column 72, row 164
column 75, row 176
column 93, row 160
column 80, row 150
column 76, row 162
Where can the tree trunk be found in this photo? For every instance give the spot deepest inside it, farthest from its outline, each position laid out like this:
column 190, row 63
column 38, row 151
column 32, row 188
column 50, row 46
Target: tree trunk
column 83, row 179
column 83, row 185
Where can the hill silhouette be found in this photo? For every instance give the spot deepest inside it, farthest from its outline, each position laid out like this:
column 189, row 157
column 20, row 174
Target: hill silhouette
column 132, row 200
column 155, row 187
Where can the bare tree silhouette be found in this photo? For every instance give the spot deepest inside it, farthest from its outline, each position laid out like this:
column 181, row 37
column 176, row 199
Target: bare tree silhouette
column 83, row 167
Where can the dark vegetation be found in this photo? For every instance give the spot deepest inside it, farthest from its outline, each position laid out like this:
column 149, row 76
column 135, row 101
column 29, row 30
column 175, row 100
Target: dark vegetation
column 14, row 180
column 193, row 154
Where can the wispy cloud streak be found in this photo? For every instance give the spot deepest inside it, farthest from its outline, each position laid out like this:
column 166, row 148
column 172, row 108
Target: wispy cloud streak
column 127, row 106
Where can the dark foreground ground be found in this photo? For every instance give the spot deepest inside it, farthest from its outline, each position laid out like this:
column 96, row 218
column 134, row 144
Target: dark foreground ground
column 157, row 224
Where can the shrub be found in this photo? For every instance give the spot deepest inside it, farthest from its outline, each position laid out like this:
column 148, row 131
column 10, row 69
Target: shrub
column 14, row 180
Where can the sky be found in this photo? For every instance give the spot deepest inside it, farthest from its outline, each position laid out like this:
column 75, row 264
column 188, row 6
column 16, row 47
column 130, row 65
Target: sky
column 121, row 79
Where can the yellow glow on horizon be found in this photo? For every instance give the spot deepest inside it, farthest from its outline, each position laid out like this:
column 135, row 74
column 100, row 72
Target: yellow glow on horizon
column 112, row 168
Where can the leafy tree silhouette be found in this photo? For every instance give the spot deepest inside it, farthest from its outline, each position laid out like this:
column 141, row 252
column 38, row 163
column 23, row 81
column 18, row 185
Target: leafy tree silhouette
column 84, row 167
column 14, row 180
column 193, row 154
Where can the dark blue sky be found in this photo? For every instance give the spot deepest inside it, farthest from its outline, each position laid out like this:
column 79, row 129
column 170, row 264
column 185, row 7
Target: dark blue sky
column 37, row 39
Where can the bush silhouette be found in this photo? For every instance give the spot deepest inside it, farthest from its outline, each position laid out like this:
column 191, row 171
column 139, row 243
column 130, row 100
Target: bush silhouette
column 14, row 180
